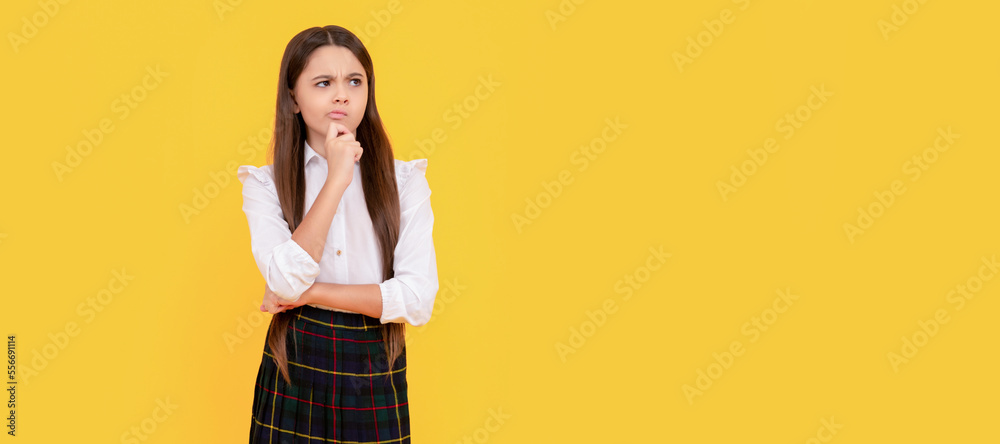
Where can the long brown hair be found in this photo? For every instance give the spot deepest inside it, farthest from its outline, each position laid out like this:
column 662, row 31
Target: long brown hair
column 378, row 171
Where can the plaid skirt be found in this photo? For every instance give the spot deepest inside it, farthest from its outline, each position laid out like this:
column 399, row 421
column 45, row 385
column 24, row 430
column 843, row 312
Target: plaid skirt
column 342, row 390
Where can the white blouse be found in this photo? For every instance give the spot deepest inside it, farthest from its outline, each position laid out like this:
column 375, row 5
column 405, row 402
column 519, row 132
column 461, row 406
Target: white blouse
column 351, row 254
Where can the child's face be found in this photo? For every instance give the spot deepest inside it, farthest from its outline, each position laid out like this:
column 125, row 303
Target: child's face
column 332, row 80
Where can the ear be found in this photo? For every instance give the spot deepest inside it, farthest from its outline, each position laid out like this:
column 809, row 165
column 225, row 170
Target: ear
column 295, row 104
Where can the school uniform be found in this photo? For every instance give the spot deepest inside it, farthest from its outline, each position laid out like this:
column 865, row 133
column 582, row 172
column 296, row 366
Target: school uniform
column 342, row 389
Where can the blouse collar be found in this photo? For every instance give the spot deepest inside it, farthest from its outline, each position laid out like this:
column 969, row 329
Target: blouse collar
column 310, row 153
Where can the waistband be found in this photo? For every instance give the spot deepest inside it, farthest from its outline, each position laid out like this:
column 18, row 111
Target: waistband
column 335, row 319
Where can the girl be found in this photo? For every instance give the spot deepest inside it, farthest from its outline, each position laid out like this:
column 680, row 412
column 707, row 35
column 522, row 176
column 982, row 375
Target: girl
column 341, row 232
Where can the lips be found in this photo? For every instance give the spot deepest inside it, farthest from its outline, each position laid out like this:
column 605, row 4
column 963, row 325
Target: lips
column 337, row 114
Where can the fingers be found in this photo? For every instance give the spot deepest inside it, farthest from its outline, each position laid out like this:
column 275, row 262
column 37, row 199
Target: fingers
column 272, row 303
column 274, row 309
column 267, row 306
column 337, row 129
column 353, row 147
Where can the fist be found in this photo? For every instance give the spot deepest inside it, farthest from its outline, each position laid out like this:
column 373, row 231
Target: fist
column 342, row 150
column 275, row 304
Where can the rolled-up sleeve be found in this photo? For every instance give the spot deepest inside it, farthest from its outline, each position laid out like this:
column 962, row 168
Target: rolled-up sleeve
column 409, row 295
column 286, row 267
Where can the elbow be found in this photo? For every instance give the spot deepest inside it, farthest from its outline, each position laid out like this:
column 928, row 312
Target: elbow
column 420, row 318
column 289, row 293
column 425, row 305
column 290, row 285
column 401, row 302
column 291, row 272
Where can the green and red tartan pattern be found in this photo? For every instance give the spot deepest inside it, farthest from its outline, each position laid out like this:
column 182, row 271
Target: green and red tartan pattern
column 341, row 392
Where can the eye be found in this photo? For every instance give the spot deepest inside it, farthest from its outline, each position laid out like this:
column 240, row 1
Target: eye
column 320, row 83
column 357, row 80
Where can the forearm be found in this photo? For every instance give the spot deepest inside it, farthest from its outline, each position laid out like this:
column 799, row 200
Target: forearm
column 312, row 231
column 361, row 298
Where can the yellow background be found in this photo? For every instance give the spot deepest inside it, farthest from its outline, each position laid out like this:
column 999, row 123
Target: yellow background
column 492, row 343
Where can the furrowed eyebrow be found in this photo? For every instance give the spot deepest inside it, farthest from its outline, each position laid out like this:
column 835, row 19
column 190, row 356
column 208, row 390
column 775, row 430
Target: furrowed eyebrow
column 327, row 76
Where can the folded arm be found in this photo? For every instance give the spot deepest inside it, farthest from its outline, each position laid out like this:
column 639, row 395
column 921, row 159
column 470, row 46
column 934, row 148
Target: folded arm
column 289, row 262
column 409, row 295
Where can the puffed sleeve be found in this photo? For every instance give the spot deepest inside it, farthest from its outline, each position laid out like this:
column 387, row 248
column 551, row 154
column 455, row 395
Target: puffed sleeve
column 409, row 295
column 286, row 267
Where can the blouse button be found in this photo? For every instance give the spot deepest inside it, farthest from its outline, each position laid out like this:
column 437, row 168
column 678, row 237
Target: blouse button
column 338, row 252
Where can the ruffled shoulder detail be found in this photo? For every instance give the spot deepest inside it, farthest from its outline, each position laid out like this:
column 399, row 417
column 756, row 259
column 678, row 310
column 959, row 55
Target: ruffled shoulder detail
column 405, row 170
column 264, row 174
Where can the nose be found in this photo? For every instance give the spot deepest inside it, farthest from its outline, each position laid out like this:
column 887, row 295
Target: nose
column 340, row 95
